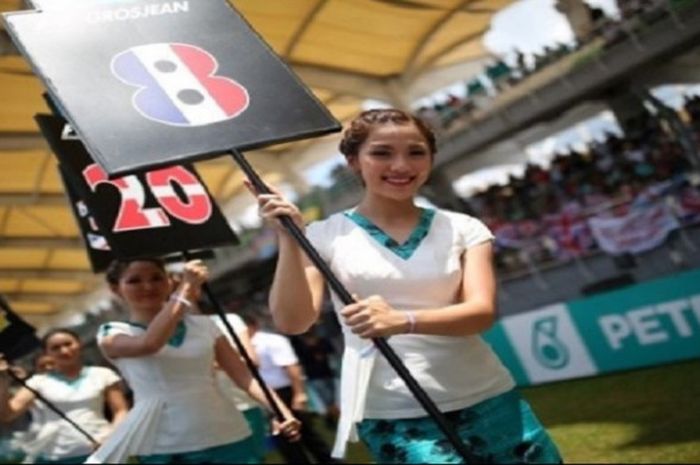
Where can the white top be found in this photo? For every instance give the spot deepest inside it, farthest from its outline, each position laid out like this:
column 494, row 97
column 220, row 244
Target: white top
column 82, row 400
column 177, row 407
column 456, row 372
column 274, row 353
column 28, row 440
column 236, row 322
column 226, row 386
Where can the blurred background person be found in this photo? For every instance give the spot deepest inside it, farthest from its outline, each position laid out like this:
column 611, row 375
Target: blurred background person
column 316, row 357
column 79, row 391
column 279, row 367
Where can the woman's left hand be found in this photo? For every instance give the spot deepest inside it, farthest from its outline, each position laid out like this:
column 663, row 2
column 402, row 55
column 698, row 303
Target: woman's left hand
column 5, row 367
column 374, row 317
column 290, row 429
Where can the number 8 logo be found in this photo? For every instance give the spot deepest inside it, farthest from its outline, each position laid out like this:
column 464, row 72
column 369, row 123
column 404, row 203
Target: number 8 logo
column 178, row 85
column 132, row 215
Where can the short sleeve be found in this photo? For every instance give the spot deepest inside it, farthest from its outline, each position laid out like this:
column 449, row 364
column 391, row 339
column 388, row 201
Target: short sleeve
column 282, row 352
column 473, row 232
column 236, row 322
column 113, row 328
column 319, row 236
column 35, row 382
column 105, row 376
column 207, row 325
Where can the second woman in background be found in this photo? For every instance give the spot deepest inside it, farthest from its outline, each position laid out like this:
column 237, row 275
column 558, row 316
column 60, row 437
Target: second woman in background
column 167, row 356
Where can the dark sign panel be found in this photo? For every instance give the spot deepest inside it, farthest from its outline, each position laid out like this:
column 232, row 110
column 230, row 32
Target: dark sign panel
column 99, row 251
column 156, row 83
column 154, row 213
column 16, row 336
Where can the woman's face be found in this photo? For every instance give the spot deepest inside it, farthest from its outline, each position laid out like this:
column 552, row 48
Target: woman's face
column 144, row 286
column 63, row 350
column 394, row 161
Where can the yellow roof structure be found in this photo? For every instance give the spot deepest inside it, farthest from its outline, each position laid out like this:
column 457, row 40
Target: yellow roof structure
column 346, row 51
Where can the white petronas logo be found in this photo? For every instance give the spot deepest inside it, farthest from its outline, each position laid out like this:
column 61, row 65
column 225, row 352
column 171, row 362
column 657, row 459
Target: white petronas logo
column 546, row 348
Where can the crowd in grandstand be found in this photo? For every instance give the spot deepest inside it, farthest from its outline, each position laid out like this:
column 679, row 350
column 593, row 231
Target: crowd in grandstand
column 544, row 214
column 505, row 71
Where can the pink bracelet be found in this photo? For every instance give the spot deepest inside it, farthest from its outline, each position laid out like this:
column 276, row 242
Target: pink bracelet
column 411, row 321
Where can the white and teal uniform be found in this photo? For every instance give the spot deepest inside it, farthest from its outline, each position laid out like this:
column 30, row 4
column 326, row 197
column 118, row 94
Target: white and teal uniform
column 423, row 273
column 177, row 409
column 82, row 399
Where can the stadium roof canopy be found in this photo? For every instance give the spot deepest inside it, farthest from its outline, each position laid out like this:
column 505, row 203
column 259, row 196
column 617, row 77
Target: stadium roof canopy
column 347, row 51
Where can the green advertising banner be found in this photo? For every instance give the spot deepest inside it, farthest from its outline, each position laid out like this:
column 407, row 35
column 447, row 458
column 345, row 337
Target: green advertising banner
column 643, row 325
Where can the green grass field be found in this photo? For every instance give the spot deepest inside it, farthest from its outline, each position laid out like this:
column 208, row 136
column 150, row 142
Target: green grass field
column 643, row 416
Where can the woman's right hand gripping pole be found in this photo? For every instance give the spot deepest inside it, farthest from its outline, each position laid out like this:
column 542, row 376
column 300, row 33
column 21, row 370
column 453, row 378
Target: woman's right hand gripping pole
column 297, row 289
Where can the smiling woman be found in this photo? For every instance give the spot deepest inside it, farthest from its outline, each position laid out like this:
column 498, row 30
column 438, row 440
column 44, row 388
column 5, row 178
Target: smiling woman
column 79, row 391
column 167, row 355
column 425, row 278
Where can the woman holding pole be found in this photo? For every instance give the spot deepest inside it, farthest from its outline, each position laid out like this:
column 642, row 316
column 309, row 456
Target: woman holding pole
column 79, row 391
column 423, row 278
column 167, row 356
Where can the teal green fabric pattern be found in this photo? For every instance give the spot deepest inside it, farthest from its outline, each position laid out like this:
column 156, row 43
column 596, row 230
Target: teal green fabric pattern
column 258, row 426
column 237, row 452
column 175, row 340
column 75, row 382
column 67, row 460
column 499, row 430
column 406, row 249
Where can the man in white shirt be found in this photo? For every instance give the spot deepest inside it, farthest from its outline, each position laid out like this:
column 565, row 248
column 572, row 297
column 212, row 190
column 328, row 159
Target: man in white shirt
column 280, row 369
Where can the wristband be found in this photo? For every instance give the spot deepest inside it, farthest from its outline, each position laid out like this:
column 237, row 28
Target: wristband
column 411, row 321
column 182, row 300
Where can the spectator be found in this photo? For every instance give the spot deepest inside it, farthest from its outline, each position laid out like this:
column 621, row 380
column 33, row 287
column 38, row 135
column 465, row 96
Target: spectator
column 315, row 356
column 280, row 369
column 582, row 183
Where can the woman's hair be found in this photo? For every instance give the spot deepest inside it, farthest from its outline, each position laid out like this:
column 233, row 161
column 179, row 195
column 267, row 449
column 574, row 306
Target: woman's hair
column 53, row 332
column 117, row 268
column 358, row 131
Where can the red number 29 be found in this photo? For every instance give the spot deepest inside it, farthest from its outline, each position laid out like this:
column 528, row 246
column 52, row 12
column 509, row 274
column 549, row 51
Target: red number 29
column 132, row 215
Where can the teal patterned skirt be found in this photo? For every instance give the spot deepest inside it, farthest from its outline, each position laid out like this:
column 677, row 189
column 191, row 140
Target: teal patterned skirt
column 502, row 429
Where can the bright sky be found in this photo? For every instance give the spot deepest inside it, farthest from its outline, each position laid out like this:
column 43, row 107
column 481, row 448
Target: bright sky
column 544, row 25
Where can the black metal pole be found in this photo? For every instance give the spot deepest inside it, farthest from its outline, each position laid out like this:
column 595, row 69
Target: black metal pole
column 345, row 296
column 300, row 456
column 52, row 407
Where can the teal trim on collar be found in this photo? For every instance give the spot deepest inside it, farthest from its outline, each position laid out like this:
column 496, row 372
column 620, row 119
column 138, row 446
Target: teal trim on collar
column 104, row 329
column 176, row 339
column 72, row 382
column 406, row 249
